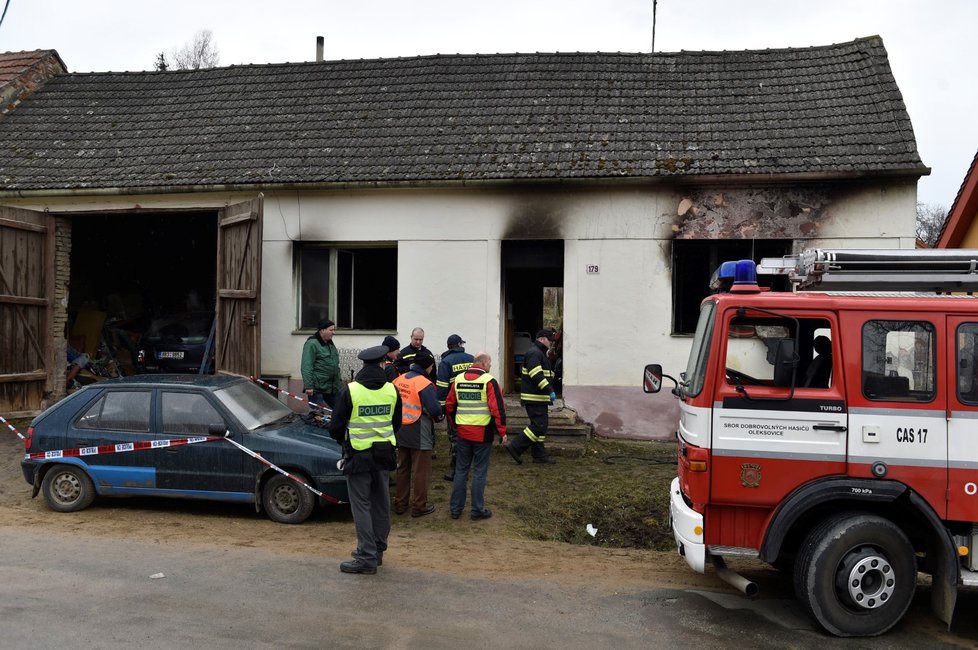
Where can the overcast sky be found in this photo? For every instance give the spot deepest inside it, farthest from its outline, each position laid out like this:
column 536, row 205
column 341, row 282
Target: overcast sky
column 930, row 42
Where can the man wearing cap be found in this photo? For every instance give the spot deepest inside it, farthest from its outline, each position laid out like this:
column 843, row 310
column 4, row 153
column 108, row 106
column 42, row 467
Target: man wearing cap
column 454, row 360
column 394, row 347
column 406, row 356
column 366, row 417
column 416, row 437
column 320, row 365
column 536, row 394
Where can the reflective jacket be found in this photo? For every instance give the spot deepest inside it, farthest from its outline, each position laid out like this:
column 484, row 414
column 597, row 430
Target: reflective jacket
column 420, row 408
column 452, row 362
column 410, row 386
column 371, row 419
column 475, row 404
column 536, row 375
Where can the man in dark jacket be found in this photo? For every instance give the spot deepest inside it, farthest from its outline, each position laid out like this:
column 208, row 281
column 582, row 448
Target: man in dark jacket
column 536, row 394
column 454, row 360
column 320, row 365
column 366, row 417
column 416, row 437
column 393, row 349
column 406, row 356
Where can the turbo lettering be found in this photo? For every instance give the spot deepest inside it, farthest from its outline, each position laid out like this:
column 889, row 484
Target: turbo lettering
column 369, row 410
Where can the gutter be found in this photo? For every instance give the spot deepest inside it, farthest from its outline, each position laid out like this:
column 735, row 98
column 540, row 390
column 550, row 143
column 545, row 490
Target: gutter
column 684, row 180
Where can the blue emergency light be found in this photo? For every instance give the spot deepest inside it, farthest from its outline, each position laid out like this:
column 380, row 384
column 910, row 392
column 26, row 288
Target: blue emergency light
column 732, row 274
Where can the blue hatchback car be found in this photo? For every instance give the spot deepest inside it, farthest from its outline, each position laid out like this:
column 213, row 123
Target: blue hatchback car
column 163, row 418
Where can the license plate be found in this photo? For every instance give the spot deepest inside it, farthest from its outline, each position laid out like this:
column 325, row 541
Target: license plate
column 170, row 355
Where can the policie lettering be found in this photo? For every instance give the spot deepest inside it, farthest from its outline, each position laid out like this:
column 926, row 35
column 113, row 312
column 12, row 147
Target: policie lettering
column 906, row 434
column 368, row 410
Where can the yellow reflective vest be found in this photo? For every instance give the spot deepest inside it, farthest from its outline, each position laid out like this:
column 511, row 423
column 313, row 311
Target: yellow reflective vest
column 473, row 400
column 371, row 418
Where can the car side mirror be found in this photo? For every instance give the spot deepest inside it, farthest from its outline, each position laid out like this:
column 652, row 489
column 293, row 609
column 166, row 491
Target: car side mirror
column 652, row 378
column 217, row 429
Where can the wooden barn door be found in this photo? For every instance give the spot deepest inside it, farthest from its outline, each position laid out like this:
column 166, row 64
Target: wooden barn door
column 27, row 363
column 238, row 331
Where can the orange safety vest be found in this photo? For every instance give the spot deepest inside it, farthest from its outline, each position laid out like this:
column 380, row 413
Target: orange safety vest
column 410, row 390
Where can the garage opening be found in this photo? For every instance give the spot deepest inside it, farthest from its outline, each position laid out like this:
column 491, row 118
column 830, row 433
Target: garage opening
column 133, row 272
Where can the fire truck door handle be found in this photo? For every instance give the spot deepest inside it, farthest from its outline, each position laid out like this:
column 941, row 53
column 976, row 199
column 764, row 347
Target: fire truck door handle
column 829, row 427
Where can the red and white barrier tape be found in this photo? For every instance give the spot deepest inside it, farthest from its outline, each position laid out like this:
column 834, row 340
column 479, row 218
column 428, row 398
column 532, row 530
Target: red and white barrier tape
column 11, row 427
column 299, row 398
column 260, row 459
column 118, row 448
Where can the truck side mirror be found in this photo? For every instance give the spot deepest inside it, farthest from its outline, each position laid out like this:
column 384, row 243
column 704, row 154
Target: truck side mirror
column 652, row 379
column 785, row 361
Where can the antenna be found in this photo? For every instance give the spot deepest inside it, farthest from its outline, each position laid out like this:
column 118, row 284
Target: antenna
column 654, row 3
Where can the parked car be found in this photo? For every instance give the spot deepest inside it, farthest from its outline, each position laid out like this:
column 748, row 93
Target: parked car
column 162, row 408
column 178, row 343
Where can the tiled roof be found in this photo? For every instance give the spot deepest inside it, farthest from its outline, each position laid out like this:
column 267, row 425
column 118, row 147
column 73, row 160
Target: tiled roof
column 15, row 64
column 825, row 111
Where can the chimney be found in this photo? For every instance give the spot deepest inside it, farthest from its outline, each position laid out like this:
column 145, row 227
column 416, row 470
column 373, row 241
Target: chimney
column 319, row 48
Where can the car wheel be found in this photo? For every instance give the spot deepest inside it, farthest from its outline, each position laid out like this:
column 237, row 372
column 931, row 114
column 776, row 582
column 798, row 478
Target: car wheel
column 286, row 501
column 856, row 573
column 67, row 488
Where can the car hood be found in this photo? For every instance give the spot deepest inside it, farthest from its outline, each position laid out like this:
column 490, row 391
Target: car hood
column 297, row 431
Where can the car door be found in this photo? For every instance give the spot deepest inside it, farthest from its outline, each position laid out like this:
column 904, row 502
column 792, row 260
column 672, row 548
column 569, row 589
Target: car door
column 120, row 418
column 206, row 469
column 962, row 414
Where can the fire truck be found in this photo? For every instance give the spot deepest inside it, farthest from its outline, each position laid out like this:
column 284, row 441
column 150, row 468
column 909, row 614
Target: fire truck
column 831, row 430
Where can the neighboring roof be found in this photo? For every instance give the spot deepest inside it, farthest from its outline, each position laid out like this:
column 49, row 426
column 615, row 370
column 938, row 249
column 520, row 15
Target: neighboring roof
column 961, row 217
column 831, row 111
column 21, row 73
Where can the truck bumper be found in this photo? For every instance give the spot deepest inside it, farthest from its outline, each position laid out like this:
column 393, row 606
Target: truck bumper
column 685, row 524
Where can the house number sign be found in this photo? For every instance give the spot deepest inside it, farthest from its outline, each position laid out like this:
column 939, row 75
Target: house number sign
column 592, row 269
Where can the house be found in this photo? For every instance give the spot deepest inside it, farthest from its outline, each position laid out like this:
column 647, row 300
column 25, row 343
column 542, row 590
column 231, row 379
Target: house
column 961, row 226
column 449, row 192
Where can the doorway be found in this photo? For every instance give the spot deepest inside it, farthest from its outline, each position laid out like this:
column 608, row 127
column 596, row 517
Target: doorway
column 533, row 283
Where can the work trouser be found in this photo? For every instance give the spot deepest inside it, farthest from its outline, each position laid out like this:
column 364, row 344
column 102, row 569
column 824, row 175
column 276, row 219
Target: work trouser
column 370, row 502
column 534, row 435
column 452, row 438
column 418, row 463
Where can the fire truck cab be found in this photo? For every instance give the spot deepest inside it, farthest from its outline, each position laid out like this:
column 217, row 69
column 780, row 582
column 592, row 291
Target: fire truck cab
column 832, row 430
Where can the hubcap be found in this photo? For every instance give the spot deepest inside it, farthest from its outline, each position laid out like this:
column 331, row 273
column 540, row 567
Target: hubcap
column 870, row 579
column 67, row 488
column 286, row 499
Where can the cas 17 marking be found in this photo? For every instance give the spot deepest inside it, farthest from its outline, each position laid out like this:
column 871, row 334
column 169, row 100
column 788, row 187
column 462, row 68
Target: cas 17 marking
column 907, row 434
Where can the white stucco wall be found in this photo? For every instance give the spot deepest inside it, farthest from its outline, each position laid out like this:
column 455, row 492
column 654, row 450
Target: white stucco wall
column 449, row 267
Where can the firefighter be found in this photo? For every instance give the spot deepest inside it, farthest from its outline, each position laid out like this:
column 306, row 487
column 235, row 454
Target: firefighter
column 536, row 395
column 453, row 361
column 416, row 438
column 365, row 420
column 406, row 356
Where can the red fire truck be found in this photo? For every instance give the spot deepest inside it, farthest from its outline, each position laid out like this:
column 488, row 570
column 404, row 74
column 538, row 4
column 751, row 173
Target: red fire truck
column 832, row 430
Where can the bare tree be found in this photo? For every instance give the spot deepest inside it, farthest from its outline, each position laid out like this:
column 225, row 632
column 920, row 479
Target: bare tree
column 930, row 222
column 198, row 53
column 161, row 64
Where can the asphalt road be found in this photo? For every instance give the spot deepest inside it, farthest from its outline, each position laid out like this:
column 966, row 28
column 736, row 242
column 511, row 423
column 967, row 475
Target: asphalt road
column 78, row 591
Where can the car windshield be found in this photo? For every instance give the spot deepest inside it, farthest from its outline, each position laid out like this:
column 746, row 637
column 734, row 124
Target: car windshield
column 695, row 374
column 182, row 328
column 252, row 405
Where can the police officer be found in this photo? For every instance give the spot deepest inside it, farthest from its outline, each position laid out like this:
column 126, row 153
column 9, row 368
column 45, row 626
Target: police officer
column 454, row 360
column 366, row 416
column 536, row 394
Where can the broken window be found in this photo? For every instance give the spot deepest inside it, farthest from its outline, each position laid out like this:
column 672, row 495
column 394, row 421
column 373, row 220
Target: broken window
column 355, row 287
column 693, row 264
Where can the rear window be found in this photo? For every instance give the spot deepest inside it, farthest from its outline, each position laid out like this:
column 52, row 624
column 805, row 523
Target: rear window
column 191, row 328
column 899, row 361
column 119, row 411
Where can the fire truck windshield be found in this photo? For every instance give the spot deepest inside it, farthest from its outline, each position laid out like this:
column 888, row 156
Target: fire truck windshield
column 699, row 351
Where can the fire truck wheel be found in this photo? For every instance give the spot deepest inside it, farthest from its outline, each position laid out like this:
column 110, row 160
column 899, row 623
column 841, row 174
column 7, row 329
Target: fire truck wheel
column 856, row 573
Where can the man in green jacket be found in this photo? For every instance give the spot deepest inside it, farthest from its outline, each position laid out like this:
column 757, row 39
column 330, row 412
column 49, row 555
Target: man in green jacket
column 321, row 366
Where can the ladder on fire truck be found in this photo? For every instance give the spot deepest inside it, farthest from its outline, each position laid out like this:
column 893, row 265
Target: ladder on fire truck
column 931, row 270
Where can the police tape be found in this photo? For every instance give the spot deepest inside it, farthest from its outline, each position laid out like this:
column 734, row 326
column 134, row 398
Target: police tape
column 11, row 427
column 300, row 398
column 171, row 442
column 100, row 450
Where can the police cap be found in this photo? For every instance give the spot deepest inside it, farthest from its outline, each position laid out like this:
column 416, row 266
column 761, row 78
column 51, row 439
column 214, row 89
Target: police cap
column 373, row 355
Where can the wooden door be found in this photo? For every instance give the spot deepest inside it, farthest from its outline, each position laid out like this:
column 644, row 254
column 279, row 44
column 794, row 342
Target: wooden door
column 27, row 364
column 239, row 238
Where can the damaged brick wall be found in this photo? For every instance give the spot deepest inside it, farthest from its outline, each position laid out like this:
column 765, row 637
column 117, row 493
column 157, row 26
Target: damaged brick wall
column 22, row 73
column 767, row 212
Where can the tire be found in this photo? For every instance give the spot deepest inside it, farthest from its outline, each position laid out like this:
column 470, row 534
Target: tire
column 286, row 501
column 856, row 573
column 67, row 488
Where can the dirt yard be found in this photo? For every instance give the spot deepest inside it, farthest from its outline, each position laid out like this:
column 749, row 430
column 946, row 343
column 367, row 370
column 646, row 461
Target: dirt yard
column 461, row 547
